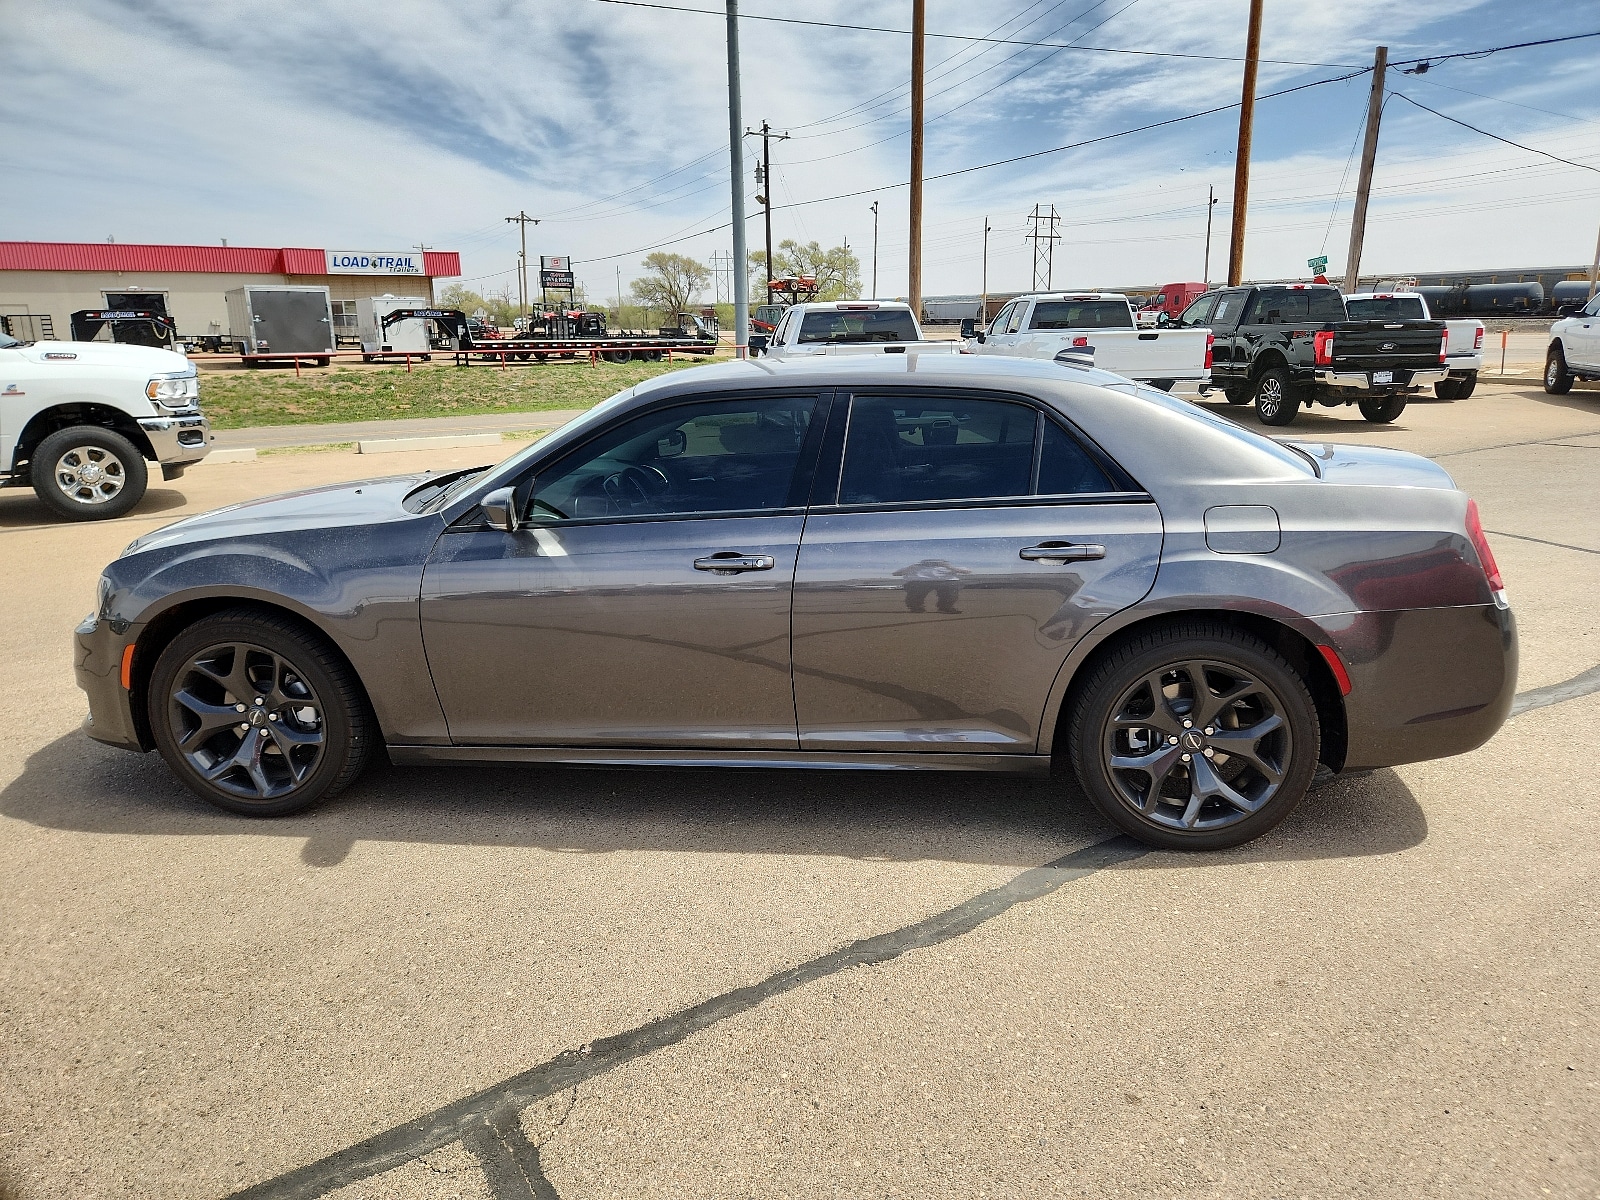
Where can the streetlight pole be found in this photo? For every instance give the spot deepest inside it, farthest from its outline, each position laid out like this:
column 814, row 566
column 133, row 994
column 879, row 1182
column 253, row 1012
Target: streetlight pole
column 874, row 250
column 741, row 273
column 764, row 182
column 1211, row 203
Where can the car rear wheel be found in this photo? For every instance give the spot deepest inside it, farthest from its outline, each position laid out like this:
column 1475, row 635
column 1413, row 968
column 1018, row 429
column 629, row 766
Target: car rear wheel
column 1466, row 385
column 1557, row 379
column 1276, row 401
column 1381, row 412
column 1236, row 395
column 86, row 473
column 1164, row 384
column 256, row 715
column 1447, row 389
column 1197, row 737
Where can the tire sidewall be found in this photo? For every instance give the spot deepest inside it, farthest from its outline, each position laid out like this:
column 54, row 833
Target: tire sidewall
column 1382, row 412
column 1093, row 710
column 135, row 474
column 338, row 722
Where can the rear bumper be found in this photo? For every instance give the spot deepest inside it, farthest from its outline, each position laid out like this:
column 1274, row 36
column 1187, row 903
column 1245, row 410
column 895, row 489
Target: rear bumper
column 1424, row 683
column 97, row 664
column 1362, row 380
column 179, row 439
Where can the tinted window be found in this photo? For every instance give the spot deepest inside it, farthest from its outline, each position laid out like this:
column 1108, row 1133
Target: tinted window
column 1081, row 314
column 1065, row 467
column 1326, row 304
column 1385, row 308
column 715, row 456
column 998, row 325
column 1278, row 306
column 904, row 450
column 1227, row 314
column 1199, row 313
column 1014, row 321
column 861, row 325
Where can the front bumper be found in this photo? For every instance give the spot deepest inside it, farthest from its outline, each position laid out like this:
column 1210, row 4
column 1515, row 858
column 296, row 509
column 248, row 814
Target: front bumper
column 1362, row 380
column 1425, row 682
column 97, row 663
column 180, row 439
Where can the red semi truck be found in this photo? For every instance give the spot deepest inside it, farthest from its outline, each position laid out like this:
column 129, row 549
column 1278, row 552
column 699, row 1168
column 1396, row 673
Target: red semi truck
column 1172, row 299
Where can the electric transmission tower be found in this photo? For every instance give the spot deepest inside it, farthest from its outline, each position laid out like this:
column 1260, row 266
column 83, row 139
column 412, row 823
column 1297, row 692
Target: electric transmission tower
column 721, row 276
column 1044, row 238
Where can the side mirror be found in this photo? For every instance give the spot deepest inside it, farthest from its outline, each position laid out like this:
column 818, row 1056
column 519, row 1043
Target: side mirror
column 500, row 509
column 758, row 343
column 969, row 327
column 674, row 444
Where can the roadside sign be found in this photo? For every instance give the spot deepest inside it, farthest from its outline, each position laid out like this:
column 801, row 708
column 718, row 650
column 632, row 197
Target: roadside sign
column 556, row 272
column 1318, row 264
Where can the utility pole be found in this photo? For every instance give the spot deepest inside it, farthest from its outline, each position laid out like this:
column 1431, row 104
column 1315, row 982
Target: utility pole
column 1211, row 203
column 764, row 182
column 919, row 34
column 1594, row 270
column 1241, row 160
column 524, row 220
column 1044, row 238
column 847, row 270
column 619, row 297
column 983, row 303
column 874, row 250
column 741, row 276
column 1369, row 156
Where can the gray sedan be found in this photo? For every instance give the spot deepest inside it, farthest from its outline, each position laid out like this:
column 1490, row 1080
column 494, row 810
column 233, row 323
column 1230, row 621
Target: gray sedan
column 917, row 561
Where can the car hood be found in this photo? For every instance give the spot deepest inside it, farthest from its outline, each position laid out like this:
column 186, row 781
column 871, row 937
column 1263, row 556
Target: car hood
column 135, row 360
column 364, row 502
column 1378, row 465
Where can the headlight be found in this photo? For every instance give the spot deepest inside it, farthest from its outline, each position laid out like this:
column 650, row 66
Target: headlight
column 174, row 391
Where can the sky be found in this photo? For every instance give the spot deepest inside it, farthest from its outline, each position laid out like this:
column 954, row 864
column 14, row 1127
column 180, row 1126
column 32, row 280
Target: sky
column 384, row 124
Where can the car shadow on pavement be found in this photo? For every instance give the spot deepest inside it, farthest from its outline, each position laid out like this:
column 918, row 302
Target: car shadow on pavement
column 24, row 510
column 74, row 784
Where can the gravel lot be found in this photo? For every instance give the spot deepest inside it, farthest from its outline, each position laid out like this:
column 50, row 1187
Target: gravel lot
column 520, row 982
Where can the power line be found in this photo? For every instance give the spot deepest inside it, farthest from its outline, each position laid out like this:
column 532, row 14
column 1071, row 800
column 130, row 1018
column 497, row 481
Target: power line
column 1495, row 136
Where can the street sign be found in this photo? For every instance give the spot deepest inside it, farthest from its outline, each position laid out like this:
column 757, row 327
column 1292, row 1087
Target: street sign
column 1318, row 264
column 555, row 271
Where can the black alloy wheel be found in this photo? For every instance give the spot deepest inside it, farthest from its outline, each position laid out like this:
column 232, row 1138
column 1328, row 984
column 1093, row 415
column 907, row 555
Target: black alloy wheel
column 256, row 715
column 1557, row 379
column 1196, row 738
column 1384, row 410
column 1276, row 401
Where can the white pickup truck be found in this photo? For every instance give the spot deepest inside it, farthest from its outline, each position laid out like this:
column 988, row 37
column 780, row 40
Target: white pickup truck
column 846, row 327
column 1463, row 349
column 79, row 419
column 1045, row 326
column 1574, row 351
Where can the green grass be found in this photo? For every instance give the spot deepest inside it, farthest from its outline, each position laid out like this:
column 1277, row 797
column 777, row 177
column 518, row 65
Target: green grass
column 238, row 399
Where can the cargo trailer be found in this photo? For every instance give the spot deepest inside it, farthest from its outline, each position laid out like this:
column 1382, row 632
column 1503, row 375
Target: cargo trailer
column 273, row 321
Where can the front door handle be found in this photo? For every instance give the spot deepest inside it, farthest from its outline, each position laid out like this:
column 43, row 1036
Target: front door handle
column 731, row 562
column 1061, row 552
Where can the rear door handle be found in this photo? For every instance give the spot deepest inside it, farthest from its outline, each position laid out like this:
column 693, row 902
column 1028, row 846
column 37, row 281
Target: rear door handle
column 731, row 562
column 1061, row 552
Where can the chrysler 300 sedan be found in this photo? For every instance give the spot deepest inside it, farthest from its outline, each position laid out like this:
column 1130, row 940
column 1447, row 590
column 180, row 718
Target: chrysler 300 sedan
column 904, row 562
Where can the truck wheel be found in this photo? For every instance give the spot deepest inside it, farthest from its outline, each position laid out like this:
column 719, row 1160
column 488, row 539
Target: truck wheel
column 1276, row 402
column 1447, row 389
column 1557, row 379
column 1466, row 385
column 1381, row 412
column 86, row 473
column 1164, row 384
column 1237, row 395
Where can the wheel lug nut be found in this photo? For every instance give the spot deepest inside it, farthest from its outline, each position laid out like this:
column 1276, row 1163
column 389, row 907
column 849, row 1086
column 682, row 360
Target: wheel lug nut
column 1210, row 753
column 259, row 700
column 1210, row 730
column 1186, row 724
column 238, row 708
column 244, row 729
column 1172, row 741
column 1187, row 757
column 272, row 716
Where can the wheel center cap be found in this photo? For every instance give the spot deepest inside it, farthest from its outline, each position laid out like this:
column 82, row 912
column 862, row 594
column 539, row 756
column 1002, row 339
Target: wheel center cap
column 89, row 473
column 258, row 717
column 1192, row 740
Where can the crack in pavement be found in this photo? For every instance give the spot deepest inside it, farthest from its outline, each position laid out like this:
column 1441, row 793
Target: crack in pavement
column 488, row 1123
column 1557, row 693
column 1522, row 537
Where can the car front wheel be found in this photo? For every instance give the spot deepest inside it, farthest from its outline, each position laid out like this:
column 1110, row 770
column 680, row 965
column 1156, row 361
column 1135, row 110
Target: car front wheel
column 1197, row 737
column 86, row 473
column 1557, row 379
column 257, row 715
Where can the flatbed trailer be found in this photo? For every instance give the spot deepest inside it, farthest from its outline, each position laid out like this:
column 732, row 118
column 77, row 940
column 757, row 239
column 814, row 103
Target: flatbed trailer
column 626, row 348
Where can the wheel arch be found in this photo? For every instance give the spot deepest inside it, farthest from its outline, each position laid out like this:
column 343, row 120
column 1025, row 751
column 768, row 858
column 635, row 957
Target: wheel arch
column 70, row 414
column 1301, row 653
column 162, row 628
column 1266, row 361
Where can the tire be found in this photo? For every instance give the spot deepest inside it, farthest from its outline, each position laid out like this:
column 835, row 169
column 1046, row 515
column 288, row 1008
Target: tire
column 314, row 723
column 1466, row 385
column 86, row 473
column 1381, row 412
column 617, row 356
column 1236, row 395
column 1557, row 379
column 322, row 362
column 1212, row 801
column 1164, row 384
column 1447, row 389
column 1276, row 400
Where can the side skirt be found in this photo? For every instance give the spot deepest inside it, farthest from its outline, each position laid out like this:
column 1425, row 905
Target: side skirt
column 582, row 756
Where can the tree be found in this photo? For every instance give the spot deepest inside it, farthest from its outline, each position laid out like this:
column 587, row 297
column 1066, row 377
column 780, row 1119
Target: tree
column 501, row 307
column 837, row 270
column 672, row 282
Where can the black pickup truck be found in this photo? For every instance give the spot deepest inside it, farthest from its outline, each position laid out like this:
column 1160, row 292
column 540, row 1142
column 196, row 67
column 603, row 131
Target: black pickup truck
column 1284, row 345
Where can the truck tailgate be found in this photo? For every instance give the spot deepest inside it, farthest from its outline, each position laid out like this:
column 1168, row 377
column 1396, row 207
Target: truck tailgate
column 1376, row 345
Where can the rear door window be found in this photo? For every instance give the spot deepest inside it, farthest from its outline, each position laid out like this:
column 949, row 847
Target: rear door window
column 1228, row 308
column 1081, row 314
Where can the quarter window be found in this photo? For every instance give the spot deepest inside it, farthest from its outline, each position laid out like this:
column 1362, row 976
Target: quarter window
column 716, row 456
column 900, row 450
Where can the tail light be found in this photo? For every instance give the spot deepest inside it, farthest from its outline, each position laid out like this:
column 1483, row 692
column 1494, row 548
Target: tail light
column 1322, row 340
column 1477, row 340
column 1211, row 339
column 1080, row 341
column 1491, row 569
column 1444, row 342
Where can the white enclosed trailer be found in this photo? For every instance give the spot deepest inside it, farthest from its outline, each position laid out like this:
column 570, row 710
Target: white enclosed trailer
column 409, row 335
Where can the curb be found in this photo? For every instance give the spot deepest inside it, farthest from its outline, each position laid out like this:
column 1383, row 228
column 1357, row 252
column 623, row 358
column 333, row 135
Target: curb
column 236, row 454
column 443, row 442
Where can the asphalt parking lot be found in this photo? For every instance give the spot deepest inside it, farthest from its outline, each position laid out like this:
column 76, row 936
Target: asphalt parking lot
column 523, row 982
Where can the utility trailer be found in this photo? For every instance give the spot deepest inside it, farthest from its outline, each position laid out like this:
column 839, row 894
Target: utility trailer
column 126, row 326
column 457, row 337
column 275, row 322
column 381, row 338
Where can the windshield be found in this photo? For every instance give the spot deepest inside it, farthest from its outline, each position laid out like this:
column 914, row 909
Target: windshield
column 858, row 326
column 7, row 341
column 1386, row 308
